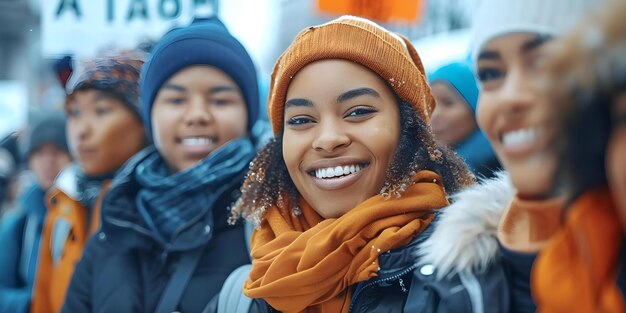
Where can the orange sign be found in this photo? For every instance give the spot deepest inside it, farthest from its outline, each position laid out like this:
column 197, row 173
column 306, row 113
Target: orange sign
column 380, row 10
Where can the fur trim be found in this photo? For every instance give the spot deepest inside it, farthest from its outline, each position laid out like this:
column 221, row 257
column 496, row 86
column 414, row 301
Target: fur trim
column 465, row 233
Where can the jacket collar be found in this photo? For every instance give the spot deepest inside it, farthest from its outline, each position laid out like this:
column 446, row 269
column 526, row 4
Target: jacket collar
column 403, row 258
column 67, row 183
column 121, row 218
column 465, row 237
column 119, row 215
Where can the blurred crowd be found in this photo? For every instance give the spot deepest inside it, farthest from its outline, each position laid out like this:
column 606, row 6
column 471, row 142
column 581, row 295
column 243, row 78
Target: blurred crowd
column 493, row 184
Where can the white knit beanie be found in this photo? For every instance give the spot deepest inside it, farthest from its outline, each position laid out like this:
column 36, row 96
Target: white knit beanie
column 495, row 18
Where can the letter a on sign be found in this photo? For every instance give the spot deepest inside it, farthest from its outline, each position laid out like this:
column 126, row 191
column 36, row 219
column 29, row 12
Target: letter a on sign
column 380, row 10
column 68, row 5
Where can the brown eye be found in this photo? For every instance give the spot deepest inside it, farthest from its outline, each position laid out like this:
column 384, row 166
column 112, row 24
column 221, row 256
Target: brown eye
column 360, row 111
column 299, row 121
column 72, row 111
column 175, row 100
column 488, row 74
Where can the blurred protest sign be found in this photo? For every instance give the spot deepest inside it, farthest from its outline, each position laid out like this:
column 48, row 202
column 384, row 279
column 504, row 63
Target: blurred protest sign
column 83, row 27
column 13, row 106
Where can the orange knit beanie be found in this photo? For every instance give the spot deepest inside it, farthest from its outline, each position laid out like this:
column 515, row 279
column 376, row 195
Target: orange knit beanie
column 359, row 40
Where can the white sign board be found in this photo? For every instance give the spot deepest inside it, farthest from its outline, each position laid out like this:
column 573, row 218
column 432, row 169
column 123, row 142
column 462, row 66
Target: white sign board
column 84, row 27
column 441, row 49
column 13, row 106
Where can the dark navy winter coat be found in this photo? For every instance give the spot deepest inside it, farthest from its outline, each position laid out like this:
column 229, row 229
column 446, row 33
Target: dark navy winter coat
column 125, row 268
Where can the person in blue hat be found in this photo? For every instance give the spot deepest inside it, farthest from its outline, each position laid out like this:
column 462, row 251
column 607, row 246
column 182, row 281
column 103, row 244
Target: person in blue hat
column 454, row 118
column 165, row 244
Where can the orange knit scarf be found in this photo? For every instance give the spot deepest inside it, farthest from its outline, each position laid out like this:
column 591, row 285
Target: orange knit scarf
column 306, row 264
column 527, row 225
column 576, row 271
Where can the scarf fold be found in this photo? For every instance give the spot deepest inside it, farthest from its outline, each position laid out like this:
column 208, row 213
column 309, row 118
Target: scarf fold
column 527, row 225
column 306, row 264
column 169, row 203
column 576, row 271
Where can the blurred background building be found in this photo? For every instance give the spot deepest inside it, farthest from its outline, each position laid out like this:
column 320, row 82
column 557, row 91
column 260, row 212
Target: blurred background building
column 35, row 36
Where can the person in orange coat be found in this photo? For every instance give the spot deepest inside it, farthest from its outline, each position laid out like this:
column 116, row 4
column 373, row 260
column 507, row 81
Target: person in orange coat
column 104, row 130
column 583, row 267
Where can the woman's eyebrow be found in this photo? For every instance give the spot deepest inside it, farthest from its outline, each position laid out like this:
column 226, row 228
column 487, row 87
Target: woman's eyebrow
column 298, row 102
column 221, row 89
column 488, row 55
column 364, row 91
column 174, row 87
column 534, row 43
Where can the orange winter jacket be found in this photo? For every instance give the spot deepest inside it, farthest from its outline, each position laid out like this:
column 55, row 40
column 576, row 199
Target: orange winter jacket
column 64, row 235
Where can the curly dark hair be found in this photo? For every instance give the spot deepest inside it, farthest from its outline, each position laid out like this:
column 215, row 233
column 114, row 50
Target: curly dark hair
column 268, row 181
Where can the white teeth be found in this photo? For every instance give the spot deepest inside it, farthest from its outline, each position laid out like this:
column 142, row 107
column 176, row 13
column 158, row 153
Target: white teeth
column 337, row 171
column 196, row 141
column 520, row 137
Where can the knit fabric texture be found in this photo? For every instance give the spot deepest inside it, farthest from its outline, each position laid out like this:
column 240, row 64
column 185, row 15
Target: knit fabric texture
column 117, row 74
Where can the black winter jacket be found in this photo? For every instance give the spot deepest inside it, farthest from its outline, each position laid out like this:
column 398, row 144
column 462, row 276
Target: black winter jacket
column 126, row 269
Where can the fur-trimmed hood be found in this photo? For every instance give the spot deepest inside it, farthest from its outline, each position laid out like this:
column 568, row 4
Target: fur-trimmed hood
column 464, row 237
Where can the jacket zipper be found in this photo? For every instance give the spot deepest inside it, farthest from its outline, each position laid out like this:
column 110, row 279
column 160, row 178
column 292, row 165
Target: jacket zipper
column 382, row 280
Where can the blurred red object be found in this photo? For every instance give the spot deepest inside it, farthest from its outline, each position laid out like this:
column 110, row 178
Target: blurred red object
column 380, row 10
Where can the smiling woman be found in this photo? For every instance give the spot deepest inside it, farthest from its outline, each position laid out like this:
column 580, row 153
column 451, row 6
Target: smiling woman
column 512, row 117
column 353, row 177
column 339, row 127
column 165, row 244
column 512, row 217
column 186, row 128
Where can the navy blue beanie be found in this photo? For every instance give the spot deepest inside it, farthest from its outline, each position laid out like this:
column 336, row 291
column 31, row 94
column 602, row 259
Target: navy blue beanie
column 204, row 42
